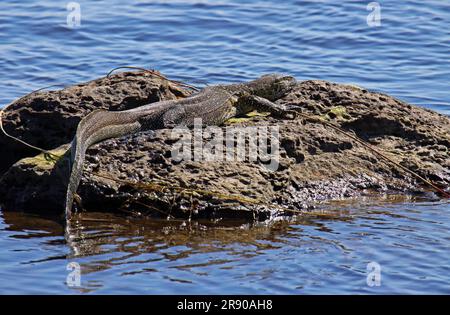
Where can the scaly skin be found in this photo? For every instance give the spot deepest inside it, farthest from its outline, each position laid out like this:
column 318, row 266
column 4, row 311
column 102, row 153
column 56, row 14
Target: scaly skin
column 214, row 105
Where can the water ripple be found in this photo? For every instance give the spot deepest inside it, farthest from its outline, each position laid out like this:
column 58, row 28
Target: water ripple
column 230, row 41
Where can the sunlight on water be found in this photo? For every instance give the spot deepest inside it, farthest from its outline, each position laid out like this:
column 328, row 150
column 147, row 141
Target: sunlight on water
column 225, row 41
column 315, row 254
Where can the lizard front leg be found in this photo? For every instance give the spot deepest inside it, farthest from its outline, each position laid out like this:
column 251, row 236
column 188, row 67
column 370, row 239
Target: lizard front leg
column 248, row 103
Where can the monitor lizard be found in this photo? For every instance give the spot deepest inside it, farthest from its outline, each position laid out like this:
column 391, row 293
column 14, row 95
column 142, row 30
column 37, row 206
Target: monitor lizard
column 213, row 104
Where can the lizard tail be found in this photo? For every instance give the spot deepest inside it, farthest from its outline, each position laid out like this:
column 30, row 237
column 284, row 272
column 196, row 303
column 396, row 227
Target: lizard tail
column 97, row 126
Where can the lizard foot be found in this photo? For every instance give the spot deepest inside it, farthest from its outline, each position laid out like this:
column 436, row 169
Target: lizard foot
column 293, row 107
column 288, row 113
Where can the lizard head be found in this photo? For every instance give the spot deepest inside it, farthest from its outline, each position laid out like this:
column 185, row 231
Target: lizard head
column 273, row 86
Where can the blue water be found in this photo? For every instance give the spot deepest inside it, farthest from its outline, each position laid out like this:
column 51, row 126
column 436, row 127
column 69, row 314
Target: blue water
column 201, row 42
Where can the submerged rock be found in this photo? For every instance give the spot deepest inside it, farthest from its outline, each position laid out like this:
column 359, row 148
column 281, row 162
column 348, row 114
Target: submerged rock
column 138, row 173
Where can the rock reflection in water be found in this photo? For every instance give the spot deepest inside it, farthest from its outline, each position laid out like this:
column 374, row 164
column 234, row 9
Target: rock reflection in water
column 330, row 246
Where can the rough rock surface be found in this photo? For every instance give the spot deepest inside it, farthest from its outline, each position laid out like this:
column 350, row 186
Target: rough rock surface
column 48, row 119
column 316, row 163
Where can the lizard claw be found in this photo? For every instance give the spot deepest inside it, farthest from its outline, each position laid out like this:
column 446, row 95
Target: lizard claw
column 289, row 113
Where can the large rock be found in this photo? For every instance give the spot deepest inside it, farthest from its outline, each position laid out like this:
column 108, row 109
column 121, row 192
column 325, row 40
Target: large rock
column 49, row 118
column 316, row 163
